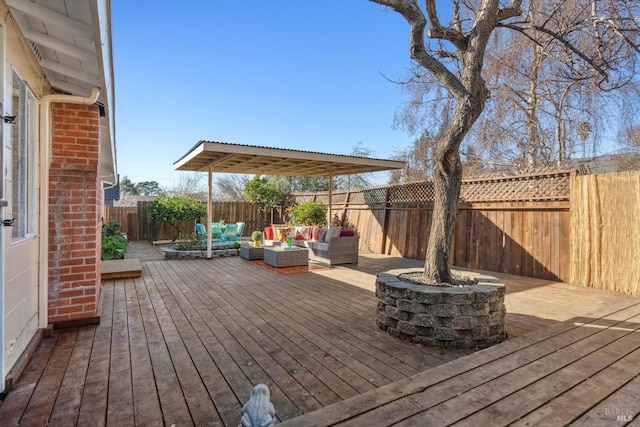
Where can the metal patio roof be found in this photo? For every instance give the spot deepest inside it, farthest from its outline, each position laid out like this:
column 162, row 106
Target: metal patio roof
column 250, row 159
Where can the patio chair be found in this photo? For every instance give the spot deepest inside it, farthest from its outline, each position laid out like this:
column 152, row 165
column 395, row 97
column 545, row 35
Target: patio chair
column 217, row 230
column 230, row 232
column 201, row 232
column 241, row 226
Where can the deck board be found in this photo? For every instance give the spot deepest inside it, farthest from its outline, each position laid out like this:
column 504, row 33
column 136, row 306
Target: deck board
column 120, row 269
column 184, row 344
column 69, row 395
column 46, row 391
column 145, row 394
column 93, row 407
column 454, row 393
column 12, row 410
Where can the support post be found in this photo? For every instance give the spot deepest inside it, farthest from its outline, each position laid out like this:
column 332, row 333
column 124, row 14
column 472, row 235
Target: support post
column 330, row 199
column 209, row 213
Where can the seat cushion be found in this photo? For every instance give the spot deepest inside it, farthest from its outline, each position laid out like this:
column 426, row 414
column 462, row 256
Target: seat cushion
column 322, row 246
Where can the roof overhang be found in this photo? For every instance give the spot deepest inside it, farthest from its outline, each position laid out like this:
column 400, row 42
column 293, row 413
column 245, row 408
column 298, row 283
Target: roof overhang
column 222, row 157
column 72, row 41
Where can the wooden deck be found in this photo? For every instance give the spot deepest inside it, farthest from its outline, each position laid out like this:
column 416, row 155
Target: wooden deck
column 184, row 344
column 120, row 269
column 582, row 372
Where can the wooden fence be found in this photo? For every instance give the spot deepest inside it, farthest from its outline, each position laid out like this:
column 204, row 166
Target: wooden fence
column 516, row 225
column 126, row 216
column 605, row 231
column 578, row 229
column 137, row 224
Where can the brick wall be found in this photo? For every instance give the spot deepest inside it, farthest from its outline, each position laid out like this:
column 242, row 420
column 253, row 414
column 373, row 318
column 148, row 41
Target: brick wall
column 75, row 206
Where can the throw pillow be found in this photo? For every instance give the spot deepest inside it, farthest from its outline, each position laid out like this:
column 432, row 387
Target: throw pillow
column 347, row 233
column 268, row 233
column 306, row 232
column 331, row 233
column 277, row 228
column 318, row 233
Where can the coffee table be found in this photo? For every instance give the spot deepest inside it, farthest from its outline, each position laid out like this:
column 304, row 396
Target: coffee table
column 278, row 256
column 251, row 252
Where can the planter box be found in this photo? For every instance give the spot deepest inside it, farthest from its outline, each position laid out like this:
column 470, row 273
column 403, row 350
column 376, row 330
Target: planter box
column 469, row 317
column 170, row 253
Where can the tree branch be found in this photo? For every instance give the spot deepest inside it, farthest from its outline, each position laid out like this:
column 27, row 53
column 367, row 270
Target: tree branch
column 436, row 31
column 559, row 38
column 573, row 49
column 511, row 10
column 613, row 27
column 410, row 10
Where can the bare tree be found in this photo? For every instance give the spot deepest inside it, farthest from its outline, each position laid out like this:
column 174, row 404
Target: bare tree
column 454, row 55
column 417, row 157
column 359, row 180
column 230, row 187
column 631, row 138
column 189, row 184
column 541, row 99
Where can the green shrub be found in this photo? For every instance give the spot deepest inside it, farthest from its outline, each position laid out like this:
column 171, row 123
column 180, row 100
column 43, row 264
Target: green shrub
column 112, row 228
column 193, row 242
column 190, row 243
column 114, row 243
column 174, row 210
column 309, row 213
column 260, row 190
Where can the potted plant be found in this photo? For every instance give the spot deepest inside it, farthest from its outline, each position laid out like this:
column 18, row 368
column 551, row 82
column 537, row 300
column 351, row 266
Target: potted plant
column 256, row 236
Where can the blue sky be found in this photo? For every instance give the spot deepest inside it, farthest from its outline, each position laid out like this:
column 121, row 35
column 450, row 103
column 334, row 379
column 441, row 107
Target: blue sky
column 295, row 74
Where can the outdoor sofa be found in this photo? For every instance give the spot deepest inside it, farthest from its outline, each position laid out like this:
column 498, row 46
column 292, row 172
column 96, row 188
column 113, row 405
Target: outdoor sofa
column 331, row 245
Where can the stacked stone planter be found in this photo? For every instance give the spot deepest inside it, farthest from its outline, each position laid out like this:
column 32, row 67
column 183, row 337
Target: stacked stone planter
column 438, row 316
column 170, row 253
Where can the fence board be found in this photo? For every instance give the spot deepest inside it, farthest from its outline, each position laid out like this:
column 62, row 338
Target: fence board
column 605, row 236
column 123, row 216
column 507, row 246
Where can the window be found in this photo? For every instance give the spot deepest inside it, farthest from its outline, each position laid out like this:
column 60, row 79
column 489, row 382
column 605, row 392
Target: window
column 24, row 156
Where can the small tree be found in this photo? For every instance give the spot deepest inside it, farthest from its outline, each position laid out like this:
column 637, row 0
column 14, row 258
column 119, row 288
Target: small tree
column 259, row 190
column 149, row 188
column 174, row 210
column 309, row 213
column 128, row 187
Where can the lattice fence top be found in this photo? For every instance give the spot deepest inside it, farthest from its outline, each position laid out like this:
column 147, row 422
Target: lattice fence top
column 539, row 187
column 551, row 186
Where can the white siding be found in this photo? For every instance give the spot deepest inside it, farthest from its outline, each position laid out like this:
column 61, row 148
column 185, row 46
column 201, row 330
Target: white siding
column 20, row 279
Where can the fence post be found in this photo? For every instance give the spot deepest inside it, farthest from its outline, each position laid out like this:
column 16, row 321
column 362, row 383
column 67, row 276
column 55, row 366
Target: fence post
column 383, row 245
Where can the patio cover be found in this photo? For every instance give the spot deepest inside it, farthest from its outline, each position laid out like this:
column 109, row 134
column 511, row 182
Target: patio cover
column 222, row 157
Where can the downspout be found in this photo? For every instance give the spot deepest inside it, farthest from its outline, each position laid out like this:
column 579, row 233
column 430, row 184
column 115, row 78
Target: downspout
column 45, row 153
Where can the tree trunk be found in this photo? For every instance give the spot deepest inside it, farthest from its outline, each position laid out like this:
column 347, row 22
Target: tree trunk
column 447, row 180
column 533, row 146
column 470, row 92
